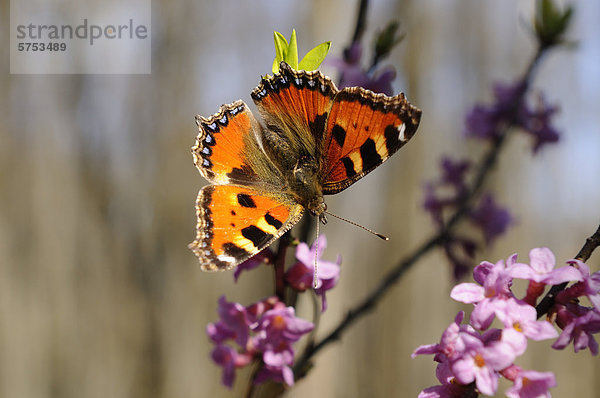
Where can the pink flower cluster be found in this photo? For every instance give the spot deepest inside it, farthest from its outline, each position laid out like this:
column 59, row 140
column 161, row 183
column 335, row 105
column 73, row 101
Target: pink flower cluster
column 263, row 330
column 474, row 356
column 266, row 330
column 300, row 275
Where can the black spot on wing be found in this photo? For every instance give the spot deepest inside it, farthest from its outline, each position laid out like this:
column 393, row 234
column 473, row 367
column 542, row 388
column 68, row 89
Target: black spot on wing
column 339, row 135
column 273, row 221
column 241, row 174
column 317, row 126
column 234, row 251
column 392, row 142
column 245, row 200
column 256, row 235
column 349, row 166
column 369, row 155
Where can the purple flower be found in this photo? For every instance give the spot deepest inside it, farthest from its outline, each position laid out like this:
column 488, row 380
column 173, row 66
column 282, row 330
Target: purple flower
column 460, row 251
column 266, row 330
column 541, row 269
column 537, row 123
column 581, row 324
column 491, row 297
column 484, row 122
column 449, row 388
column 229, row 359
column 281, row 325
column 276, row 331
column 481, row 122
column 520, row 322
column 450, row 347
column 493, row 281
column 352, row 74
column 280, row 374
column 453, row 176
column 234, row 323
column 481, row 362
column 434, row 205
column 491, row 218
column 450, row 344
column 301, row 275
column 589, row 285
column 532, row 384
column 453, row 172
column 264, row 257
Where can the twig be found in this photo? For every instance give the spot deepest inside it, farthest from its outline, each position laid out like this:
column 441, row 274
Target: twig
column 486, row 165
column 359, row 29
column 590, row 245
column 584, row 254
column 279, row 265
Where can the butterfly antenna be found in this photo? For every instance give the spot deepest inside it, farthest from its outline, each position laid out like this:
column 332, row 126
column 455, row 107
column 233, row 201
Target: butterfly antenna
column 358, row 225
column 315, row 273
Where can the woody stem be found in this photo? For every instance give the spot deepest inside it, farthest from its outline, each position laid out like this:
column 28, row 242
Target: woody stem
column 584, row 254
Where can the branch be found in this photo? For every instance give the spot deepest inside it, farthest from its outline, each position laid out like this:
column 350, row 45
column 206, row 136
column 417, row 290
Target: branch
column 584, row 254
column 486, row 165
column 590, row 245
column 359, row 29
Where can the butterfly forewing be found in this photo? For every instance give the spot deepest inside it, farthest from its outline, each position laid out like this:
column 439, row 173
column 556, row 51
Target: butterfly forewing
column 223, row 144
column 236, row 222
column 294, row 106
column 363, row 130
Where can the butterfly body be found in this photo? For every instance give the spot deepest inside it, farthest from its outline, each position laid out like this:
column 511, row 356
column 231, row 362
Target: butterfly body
column 315, row 140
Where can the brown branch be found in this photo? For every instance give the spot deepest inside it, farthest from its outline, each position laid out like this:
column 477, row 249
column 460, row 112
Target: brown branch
column 361, row 17
column 279, row 266
column 590, row 245
column 584, row 254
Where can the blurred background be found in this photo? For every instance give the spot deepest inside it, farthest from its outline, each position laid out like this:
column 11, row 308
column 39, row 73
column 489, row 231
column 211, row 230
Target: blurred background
column 99, row 295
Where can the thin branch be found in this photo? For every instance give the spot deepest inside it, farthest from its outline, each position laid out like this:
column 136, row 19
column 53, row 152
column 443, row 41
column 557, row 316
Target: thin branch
column 584, row 254
column 359, row 29
column 485, row 166
column 279, row 266
column 590, row 245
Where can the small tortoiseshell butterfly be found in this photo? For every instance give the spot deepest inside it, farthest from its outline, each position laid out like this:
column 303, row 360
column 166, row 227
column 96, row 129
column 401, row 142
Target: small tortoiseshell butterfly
column 316, row 140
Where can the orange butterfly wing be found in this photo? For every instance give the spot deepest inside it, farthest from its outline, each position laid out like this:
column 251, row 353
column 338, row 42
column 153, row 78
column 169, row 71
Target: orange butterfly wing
column 363, row 130
column 235, row 223
column 224, row 143
column 295, row 100
column 243, row 212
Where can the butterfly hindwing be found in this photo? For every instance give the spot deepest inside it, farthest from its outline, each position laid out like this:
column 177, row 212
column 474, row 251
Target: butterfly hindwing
column 363, row 130
column 236, row 222
column 224, row 141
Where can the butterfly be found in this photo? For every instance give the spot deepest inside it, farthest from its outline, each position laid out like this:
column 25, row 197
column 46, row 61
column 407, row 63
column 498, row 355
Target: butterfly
column 314, row 140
